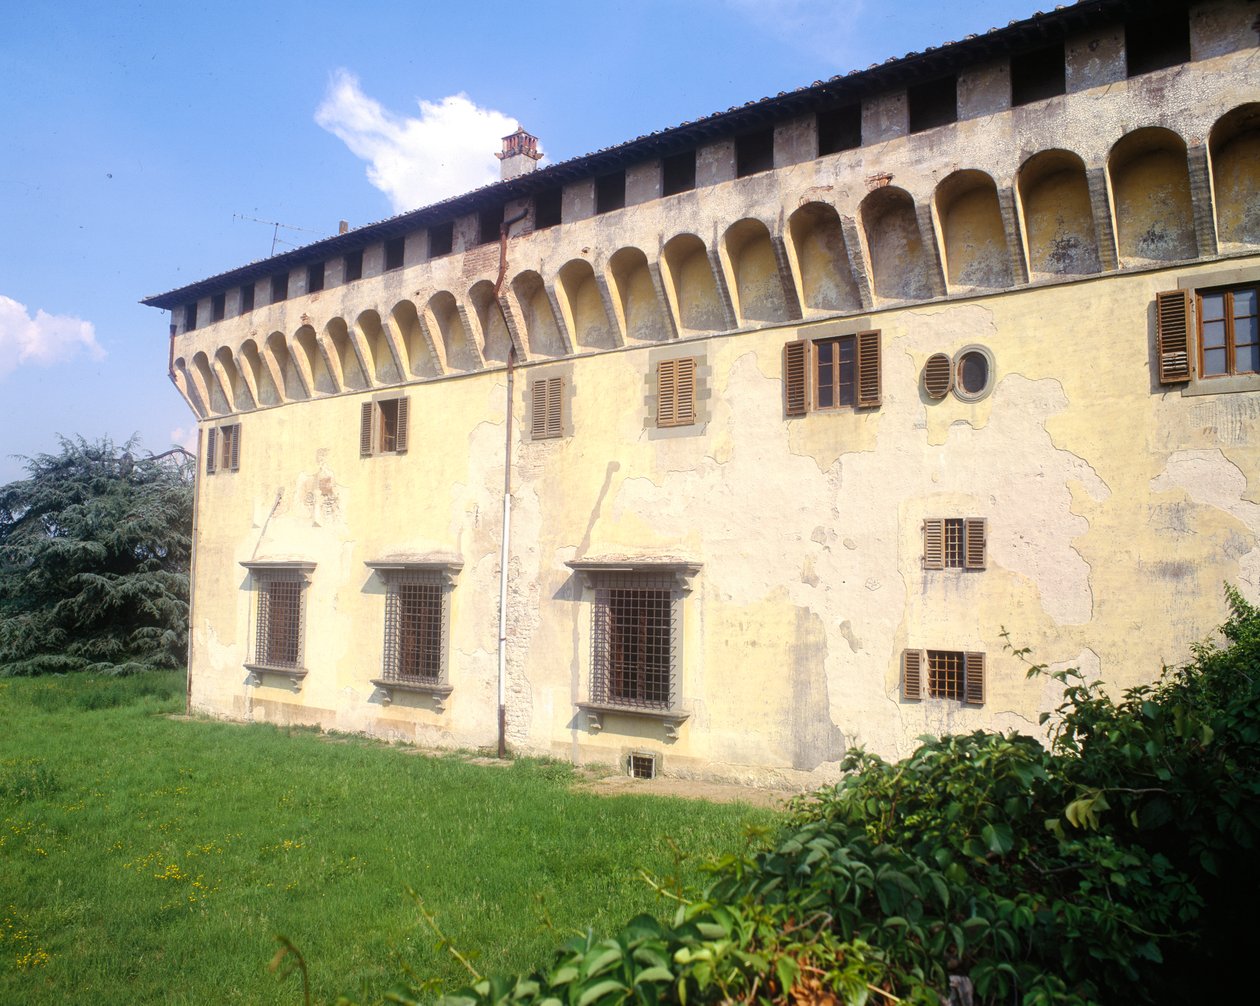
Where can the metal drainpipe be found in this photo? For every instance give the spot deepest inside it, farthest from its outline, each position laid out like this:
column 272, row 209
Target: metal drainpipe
column 507, row 494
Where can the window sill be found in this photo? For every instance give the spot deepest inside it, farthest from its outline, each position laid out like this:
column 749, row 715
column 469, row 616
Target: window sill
column 437, row 689
column 670, row 719
column 294, row 674
column 1221, row 385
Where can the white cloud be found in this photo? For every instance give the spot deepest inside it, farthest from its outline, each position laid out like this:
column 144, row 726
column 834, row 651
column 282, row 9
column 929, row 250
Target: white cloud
column 447, row 150
column 185, row 437
column 43, row 339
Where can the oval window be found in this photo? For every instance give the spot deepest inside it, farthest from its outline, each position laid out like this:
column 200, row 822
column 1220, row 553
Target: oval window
column 973, row 373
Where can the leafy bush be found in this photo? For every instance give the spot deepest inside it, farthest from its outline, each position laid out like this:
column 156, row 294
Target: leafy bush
column 1119, row 866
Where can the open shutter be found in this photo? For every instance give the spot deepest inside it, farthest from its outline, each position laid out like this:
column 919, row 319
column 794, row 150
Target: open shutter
column 400, row 433
column 796, row 378
column 234, row 453
column 868, row 370
column 667, row 393
column 365, row 429
column 555, row 406
column 974, row 534
column 686, row 392
column 912, row 674
column 934, row 543
column 1172, row 333
column 938, row 375
column 212, row 444
column 973, row 685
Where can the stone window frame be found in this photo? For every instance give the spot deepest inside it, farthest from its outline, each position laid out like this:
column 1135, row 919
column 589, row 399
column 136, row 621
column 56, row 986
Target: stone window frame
column 440, row 572
column 598, row 576
column 264, row 577
column 958, row 388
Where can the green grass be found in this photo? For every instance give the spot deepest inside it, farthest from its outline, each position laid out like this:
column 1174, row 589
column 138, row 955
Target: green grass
column 148, row 859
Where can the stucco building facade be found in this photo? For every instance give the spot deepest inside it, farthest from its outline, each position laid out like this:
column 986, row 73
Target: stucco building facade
column 801, row 410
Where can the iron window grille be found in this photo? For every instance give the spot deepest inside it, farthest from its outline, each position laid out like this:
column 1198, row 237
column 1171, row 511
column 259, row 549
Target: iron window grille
column 951, row 674
column 415, row 627
column 280, row 616
column 634, row 641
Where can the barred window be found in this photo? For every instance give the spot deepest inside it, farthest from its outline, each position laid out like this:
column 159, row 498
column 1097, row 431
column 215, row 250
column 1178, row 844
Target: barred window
column 634, row 641
column 415, row 629
column 951, row 674
column 417, row 623
column 280, row 603
column 954, row 542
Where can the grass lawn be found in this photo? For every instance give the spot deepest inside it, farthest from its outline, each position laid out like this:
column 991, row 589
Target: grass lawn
column 148, row 859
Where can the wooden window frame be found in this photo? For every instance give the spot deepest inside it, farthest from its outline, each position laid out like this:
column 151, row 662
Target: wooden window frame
column 955, row 543
column 223, row 448
column 379, row 432
column 1230, row 334
column 546, row 396
column 951, row 675
column 676, row 392
column 801, row 377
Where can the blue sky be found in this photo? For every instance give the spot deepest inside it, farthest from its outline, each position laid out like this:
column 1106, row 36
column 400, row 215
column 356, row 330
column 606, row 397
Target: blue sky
column 140, row 136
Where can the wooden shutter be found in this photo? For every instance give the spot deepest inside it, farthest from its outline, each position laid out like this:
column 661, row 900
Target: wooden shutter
column 538, row 411
column 912, row 674
column 234, row 447
column 974, row 534
column 400, row 431
column 667, row 393
column 934, row 543
column 555, row 406
column 868, row 370
column 973, row 685
column 1172, row 334
column 796, row 378
column 212, row 444
column 686, row 391
column 938, row 375
column 365, row 429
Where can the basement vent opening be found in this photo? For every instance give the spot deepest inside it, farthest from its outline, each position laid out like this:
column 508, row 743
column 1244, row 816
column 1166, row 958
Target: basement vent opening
column 642, row 766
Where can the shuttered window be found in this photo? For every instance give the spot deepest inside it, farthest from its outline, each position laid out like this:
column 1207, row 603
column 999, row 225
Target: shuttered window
column 835, row 373
column 383, row 427
column 954, row 542
column 547, row 408
column 943, row 674
column 676, row 392
column 223, row 448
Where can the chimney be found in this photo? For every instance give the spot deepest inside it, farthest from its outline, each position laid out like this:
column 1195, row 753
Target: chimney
column 520, row 154
column 343, row 227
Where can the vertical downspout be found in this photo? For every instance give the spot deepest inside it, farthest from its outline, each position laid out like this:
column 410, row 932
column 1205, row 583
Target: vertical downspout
column 507, row 493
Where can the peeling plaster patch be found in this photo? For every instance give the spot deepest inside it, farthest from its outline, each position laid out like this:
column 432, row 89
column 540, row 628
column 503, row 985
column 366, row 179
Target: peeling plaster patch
column 846, row 630
column 1229, row 420
column 814, row 737
column 1211, row 479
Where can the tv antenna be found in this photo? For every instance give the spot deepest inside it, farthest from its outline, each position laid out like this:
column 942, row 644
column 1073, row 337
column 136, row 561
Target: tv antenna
column 276, row 226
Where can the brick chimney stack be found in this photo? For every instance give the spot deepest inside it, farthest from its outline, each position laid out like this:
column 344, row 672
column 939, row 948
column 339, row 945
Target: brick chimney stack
column 520, row 154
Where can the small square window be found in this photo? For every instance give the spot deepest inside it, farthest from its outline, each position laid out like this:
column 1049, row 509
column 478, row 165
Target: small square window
column 1229, row 332
column 678, row 173
column 835, row 372
column 279, row 288
column 934, row 103
column 441, row 239
column 223, row 448
column 547, row 209
column 247, row 298
column 488, row 223
column 826, row 374
column 754, row 152
column 951, row 674
column 610, row 192
column 839, row 129
column 394, row 252
column 954, row 542
column 218, row 306
column 353, row 266
column 315, row 278
column 383, row 427
column 1038, row 74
